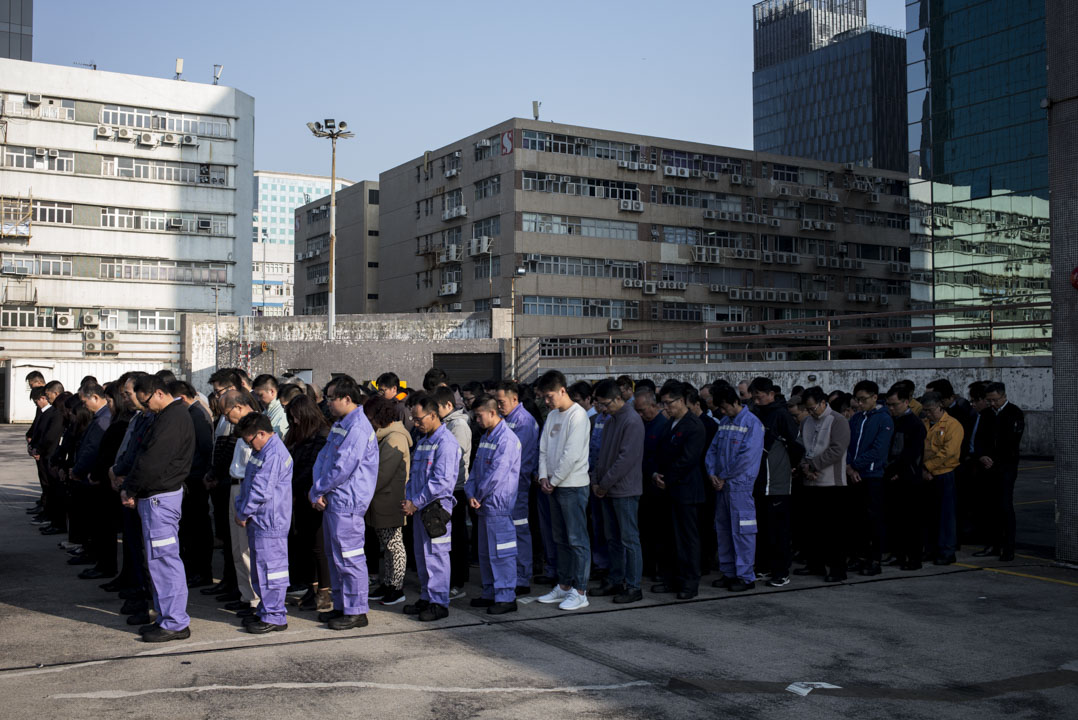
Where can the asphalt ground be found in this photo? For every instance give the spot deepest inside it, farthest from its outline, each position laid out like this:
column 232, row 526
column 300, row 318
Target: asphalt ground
column 975, row 639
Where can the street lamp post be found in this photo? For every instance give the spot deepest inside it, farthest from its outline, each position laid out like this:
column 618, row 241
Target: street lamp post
column 519, row 272
column 332, row 129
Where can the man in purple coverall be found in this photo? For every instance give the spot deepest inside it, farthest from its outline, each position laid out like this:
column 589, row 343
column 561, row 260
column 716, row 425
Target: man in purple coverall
column 264, row 507
column 345, row 475
column 521, row 422
column 492, row 489
column 733, row 461
column 435, row 467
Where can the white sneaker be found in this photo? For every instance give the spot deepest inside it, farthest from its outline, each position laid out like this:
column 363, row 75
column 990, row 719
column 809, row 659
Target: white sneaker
column 556, row 595
column 574, row 601
column 456, row 593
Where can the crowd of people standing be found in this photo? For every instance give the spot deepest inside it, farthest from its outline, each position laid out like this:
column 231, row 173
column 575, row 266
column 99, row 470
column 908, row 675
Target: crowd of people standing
column 325, row 497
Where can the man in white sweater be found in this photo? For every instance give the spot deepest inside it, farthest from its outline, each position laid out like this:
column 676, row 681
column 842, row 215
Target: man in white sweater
column 563, row 474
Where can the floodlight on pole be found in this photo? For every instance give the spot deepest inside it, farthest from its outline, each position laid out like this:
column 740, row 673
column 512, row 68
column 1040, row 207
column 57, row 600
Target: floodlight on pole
column 332, row 131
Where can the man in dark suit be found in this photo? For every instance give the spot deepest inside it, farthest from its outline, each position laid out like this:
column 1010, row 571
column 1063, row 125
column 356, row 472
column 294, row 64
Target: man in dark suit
column 1001, row 462
column 680, row 475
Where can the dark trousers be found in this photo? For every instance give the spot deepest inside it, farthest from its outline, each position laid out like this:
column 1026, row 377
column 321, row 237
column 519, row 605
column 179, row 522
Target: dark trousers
column 219, row 496
column 81, row 498
column 655, row 532
column 869, row 508
column 55, row 500
column 1001, row 507
column 683, row 568
column 969, row 499
column 600, row 553
column 825, row 549
column 460, row 550
column 705, row 521
column 911, row 499
column 941, row 540
column 134, row 553
column 196, row 530
column 773, row 551
column 304, row 567
column 106, row 522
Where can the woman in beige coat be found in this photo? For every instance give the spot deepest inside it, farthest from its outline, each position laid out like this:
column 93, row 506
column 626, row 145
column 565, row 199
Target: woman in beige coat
column 384, row 513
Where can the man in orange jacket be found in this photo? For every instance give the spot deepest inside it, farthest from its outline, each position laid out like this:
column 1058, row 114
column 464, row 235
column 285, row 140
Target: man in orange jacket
column 943, row 448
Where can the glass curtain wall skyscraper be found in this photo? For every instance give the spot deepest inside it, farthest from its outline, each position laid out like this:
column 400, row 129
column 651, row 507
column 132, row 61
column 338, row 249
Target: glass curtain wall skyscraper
column 978, row 156
column 828, row 86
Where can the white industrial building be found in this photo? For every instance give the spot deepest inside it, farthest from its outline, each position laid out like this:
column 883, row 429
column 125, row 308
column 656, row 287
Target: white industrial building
column 126, row 202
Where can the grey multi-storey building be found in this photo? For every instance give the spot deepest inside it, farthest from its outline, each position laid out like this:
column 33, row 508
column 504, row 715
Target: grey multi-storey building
column 17, row 29
column 356, row 252
column 826, row 85
column 979, row 183
column 585, row 231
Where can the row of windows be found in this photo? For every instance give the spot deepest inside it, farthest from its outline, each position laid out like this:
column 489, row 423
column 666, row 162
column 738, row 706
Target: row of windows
column 587, row 187
column 37, row 264
column 131, row 219
column 568, row 145
column 584, row 267
column 39, row 317
column 581, row 307
column 28, row 158
column 146, row 119
column 164, row 270
column 703, row 162
column 587, row 227
column 164, row 171
column 488, row 187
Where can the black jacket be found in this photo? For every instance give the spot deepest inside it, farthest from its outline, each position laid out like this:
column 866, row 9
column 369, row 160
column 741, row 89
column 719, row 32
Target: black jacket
column 200, row 461
column 1007, row 429
column 166, row 454
column 106, row 452
column 48, row 431
column 303, row 457
column 907, row 450
column 782, row 449
column 680, row 449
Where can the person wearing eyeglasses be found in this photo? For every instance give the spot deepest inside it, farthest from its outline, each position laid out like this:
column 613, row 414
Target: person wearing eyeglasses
column 434, row 472
column 943, row 451
column 345, row 476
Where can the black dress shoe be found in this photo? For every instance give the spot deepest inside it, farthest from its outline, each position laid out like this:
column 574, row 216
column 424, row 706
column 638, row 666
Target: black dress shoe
column 250, row 619
column 329, row 615
column 198, row 581
column 629, row 595
column 112, row 586
column 481, row 602
column 131, row 593
column 83, row 559
column 433, row 612
column 986, row 552
column 246, row 612
column 944, row 560
column 217, row 589
column 419, row 606
column 832, row 578
column 741, row 586
column 662, row 588
column 809, row 571
column 892, row 560
column 161, row 635
column 348, row 622
column 723, row 582
column 501, row 608
column 231, row 596
column 608, row 589
column 261, row 628
column 237, row 605
column 1006, row 555
column 140, row 618
column 93, row 574
column 522, row 590
column 686, row 594
column 134, row 607
column 854, row 565
column 147, row 628
column 52, row 530
column 871, row 569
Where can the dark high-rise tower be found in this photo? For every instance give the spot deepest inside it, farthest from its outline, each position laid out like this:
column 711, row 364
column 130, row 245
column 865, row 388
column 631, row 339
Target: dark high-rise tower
column 17, row 29
column 828, row 86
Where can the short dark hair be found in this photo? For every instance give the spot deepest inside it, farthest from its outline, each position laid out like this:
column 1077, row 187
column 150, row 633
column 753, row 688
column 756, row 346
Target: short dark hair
column 625, row 382
column 35, row 375
column 908, row 384
column 444, row 396
column 867, row 386
column 485, row 401
column 977, row 390
column 581, row 389
column 673, row 389
column 550, row 381
column 797, row 390
column 86, row 379
column 506, row 386
column 762, row 384
column 346, row 386
column 179, row 388
column 54, row 386
column 692, row 395
column 899, row 391
column 996, row 387
column 433, row 378
column 90, row 389
column 285, row 393
column 225, row 376
column 841, row 403
column 931, row 398
column 380, row 411
column 644, row 383
column 37, row 392
column 150, row 384
column 166, row 375
column 606, row 389
column 476, row 388
column 252, row 424
column 815, row 393
column 387, row 380
column 265, row 380
column 426, row 403
column 942, row 386
column 725, row 394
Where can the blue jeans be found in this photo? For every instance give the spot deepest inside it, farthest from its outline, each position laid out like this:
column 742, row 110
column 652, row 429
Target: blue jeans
column 569, row 523
column 623, row 539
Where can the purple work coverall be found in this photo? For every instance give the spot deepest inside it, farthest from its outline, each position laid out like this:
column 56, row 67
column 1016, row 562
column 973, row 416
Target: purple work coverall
column 265, row 502
column 160, row 516
column 494, row 483
column 345, row 475
column 734, row 456
column 435, row 467
column 521, row 422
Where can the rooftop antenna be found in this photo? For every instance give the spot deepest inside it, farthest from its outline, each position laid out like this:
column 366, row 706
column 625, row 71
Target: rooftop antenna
column 179, row 68
column 535, row 108
column 92, row 65
column 217, row 70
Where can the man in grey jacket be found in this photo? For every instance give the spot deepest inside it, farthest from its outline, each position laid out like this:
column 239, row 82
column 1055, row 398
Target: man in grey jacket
column 617, row 483
column 457, row 423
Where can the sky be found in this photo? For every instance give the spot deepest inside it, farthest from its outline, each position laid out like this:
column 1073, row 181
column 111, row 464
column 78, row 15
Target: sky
column 415, row 75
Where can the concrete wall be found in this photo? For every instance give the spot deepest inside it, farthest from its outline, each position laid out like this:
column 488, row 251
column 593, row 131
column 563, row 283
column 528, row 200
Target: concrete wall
column 1029, row 380
column 365, row 346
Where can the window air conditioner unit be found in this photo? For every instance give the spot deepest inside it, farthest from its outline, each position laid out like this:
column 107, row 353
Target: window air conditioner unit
column 41, row 152
column 663, row 285
column 735, row 294
column 54, row 153
column 625, row 205
column 627, row 283
column 638, row 206
column 795, row 297
column 806, row 224
column 811, row 296
column 723, row 215
column 696, row 173
column 455, row 307
column 125, row 133
column 455, row 154
column 533, row 257
column 783, row 190
column 794, row 259
column 190, row 140
column 750, row 217
column 614, row 324
column 775, row 222
column 884, row 299
column 683, row 172
column 768, row 257
column 638, row 283
column 770, row 295
column 63, row 321
column 175, row 223
column 649, row 287
column 147, row 139
column 89, row 320
column 634, row 165
column 452, row 172
column 784, row 296
column 858, row 265
column 205, row 225
column 847, row 264
column 739, row 253
column 669, row 171
column 104, row 131
column 171, row 139
column 781, row 258
column 737, row 217
column 680, row 286
column 752, row 254
column 735, row 179
column 33, row 98
column 834, row 262
column 711, row 215
column 484, row 143
column 711, row 175
column 874, row 197
column 830, row 227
